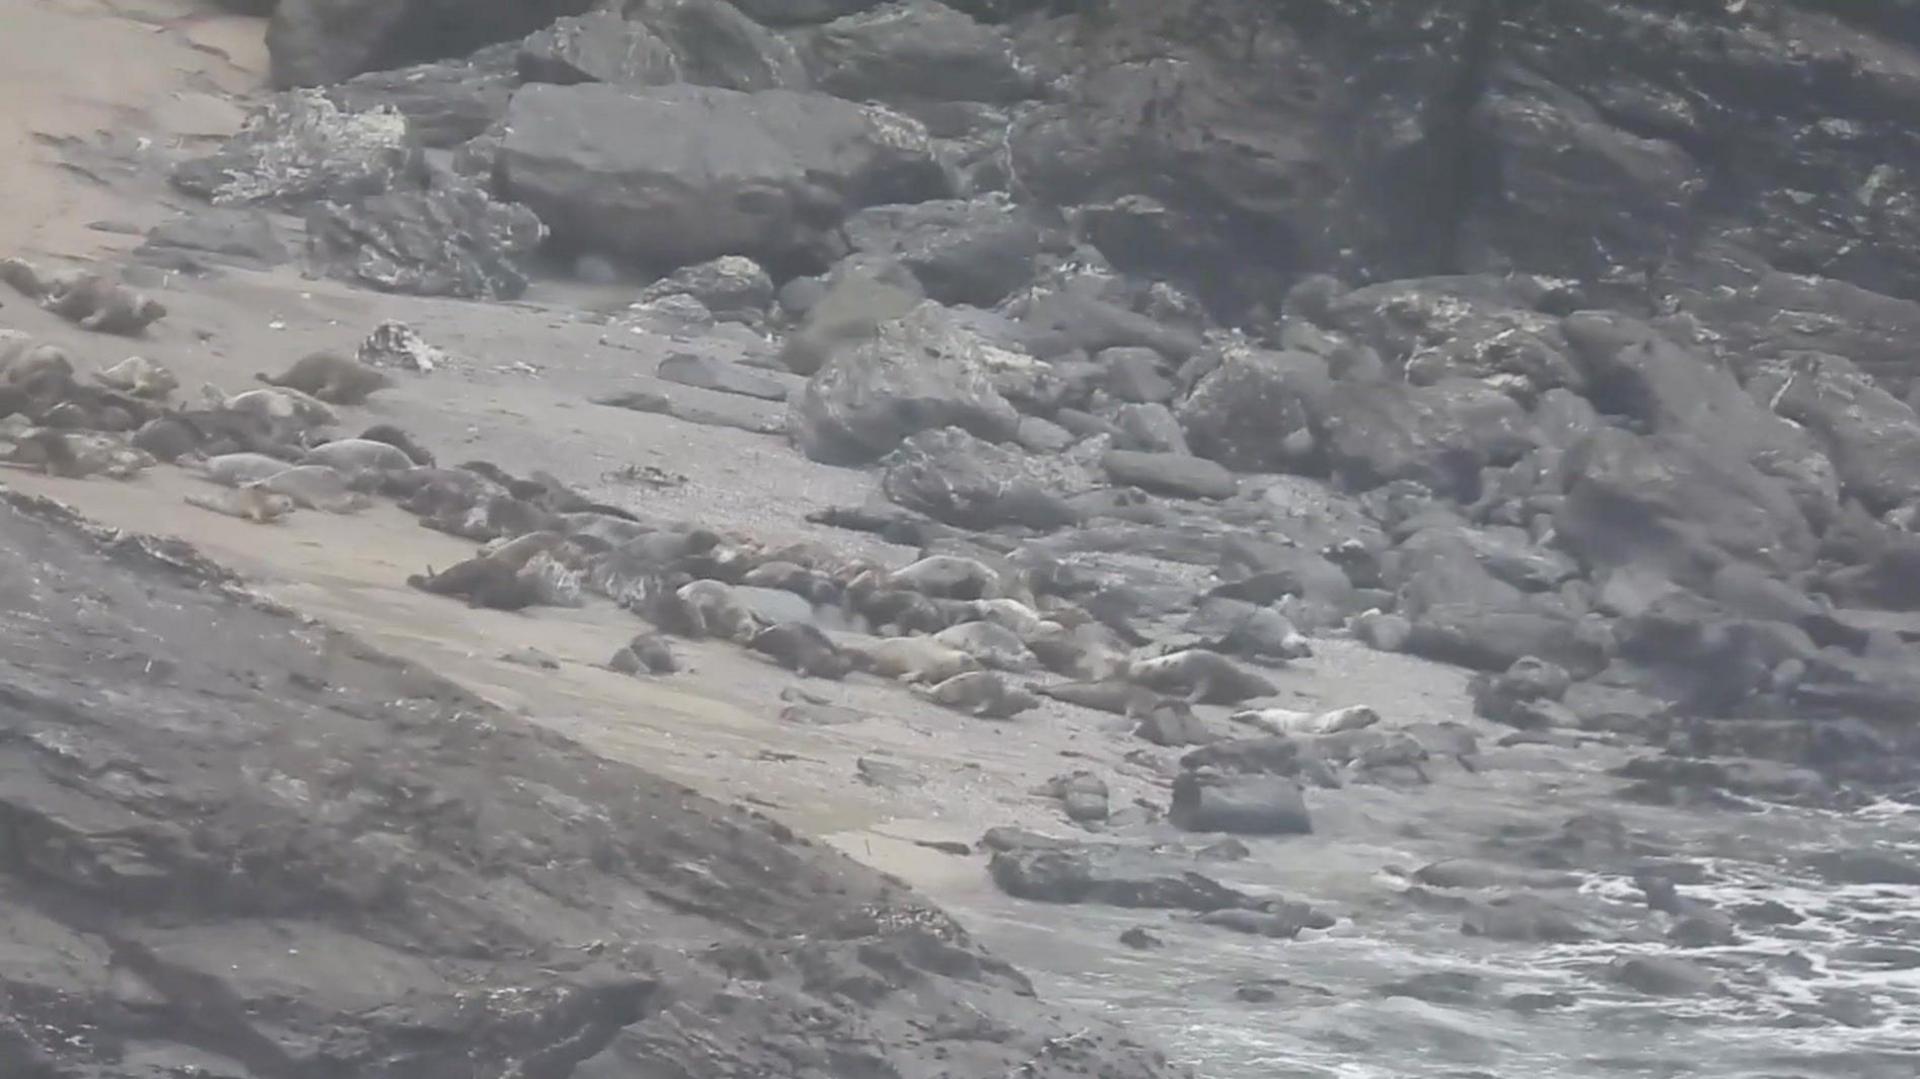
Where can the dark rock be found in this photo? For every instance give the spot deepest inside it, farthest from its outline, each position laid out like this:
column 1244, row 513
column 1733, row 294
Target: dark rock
column 1254, row 412
column 714, row 44
column 766, row 175
column 1059, row 321
column 445, row 103
column 299, row 148
column 1662, row 975
column 599, row 46
column 1140, row 940
column 315, row 42
column 1269, row 754
column 915, row 50
column 1677, row 506
column 240, row 234
column 1468, row 326
column 1241, row 805
column 718, row 375
column 1169, row 473
column 916, row 373
column 846, row 310
column 975, row 252
column 1135, row 374
column 952, row 476
column 1441, row 436
column 448, row 240
column 1111, row 876
column 1526, row 917
column 1872, row 436
column 734, row 288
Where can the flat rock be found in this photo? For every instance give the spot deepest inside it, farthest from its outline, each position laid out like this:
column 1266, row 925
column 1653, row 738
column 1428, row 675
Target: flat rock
column 1171, row 474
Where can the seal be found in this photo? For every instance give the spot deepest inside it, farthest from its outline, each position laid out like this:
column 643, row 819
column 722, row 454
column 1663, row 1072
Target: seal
column 909, row 659
column 316, row 487
column 893, row 610
column 802, row 648
column 1114, row 698
column 1199, row 675
column 76, row 454
column 622, row 573
column 169, row 438
column 715, row 611
column 237, row 469
column 983, row 694
column 1087, row 651
column 647, row 653
column 352, row 456
column 140, row 377
column 947, row 576
column 817, row 588
column 252, row 503
column 331, row 377
column 399, row 440
column 490, row 518
column 1288, row 721
column 286, row 411
column 87, row 299
column 483, row 581
column 996, row 647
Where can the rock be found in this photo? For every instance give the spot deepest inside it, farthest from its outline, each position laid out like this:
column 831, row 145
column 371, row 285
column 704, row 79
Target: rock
column 448, row 240
column 1255, row 411
column 1526, row 917
column 299, row 148
column 766, row 175
column 1677, row 506
column 1237, row 627
column 1465, row 326
column 1111, row 876
column 917, row 373
column 600, row 46
column 951, row 476
column 1152, row 429
column 714, row 44
column 243, row 235
column 977, row 251
column 1134, row 374
column 915, row 50
column 1170, row 474
column 733, row 288
column 1276, row 925
column 1036, row 435
column 1140, row 940
column 1868, row 867
column 399, row 347
column 1441, row 436
column 1383, row 632
column 1269, row 754
column 718, row 375
column 1872, row 437
column 1059, row 321
column 795, row 12
column 846, row 312
column 446, row 103
column 1508, row 554
column 1241, row 805
column 1504, row 698
column 315, row 42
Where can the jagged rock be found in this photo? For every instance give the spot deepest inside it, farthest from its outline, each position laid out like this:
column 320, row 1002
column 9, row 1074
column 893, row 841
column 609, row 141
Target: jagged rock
column 445, row 103
column 1254, row 412
column 397, row 346
column 1059, row 321
column 951, row 476
column 245, row 235
column 1678, row 506
column 716, row 45
column 1111, row 876
column 300, row 147
column 599, row 46
column 1241, row 805
column 799, row 12
column 315, row 42
column 1169, row 473
column 977, row 251
column 448, row 240
column 1872, row 436
column 1152, row 429
column 918, row 372
column 1471, row 326
column 734, row 288
column 1441, row 435
column 915, row 50
column 766, row 175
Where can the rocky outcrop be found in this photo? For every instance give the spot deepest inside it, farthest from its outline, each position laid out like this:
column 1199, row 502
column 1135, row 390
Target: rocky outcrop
column 446, row 240
column 300, row 147
column 975, row 252
column 915, row 50
column 767, row 175
column 952, row 476
column 313, row 42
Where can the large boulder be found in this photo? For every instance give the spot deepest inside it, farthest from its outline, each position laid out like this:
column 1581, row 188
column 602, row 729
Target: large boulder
column 733, row 288
column 1872, row 436
column 599, row 46
column 1635, row 371
column 1473, row 326
column 1679, row 506
column 916, row 50
column 315, row 42
column 953, row 477
column 716, row 45
column 1440, row 436
column 719, row 172
column 448, row 240
column 800, row 12
column 447, row 102
column 846, row 310
column 915, row 373
column 300, row 147
column 975, row 252
column 1254, row 412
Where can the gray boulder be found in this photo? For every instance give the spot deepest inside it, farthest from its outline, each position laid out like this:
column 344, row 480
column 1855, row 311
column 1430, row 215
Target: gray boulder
column 446, row 103
column 844, row 311
column 1169, row 474
column 1136, row 375
column 975, row 252
column 719, row 172
column 1059, row 321
column 916, row 50
column 916, row 373
column 1241, row 805
column 800, row 12
column 315, row 42
column 1440, row 436
column 243, row 235
column 716, row 45
column 955, row 478
column 1150, row 427
column 1872, row 437
column 1254, row 412
column 1471, row 326
column 299, row 148
column 448, row 240
column 599, row 46
column 733, row 287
